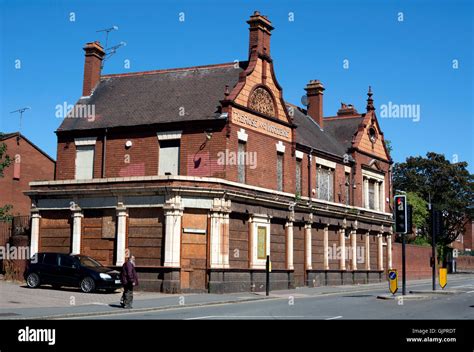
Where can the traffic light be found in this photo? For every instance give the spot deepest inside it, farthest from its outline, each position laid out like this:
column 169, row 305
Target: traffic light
column 438, row 225
column 409, row 218
column 401, row 214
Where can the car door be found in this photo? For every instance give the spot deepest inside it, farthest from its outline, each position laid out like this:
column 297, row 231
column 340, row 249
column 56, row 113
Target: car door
column 68, row 270
column 50, row 268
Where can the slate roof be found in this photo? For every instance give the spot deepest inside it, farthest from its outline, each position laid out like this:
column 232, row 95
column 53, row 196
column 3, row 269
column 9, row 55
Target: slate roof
column 310, row 134
column 343, row 129
column 151, row 97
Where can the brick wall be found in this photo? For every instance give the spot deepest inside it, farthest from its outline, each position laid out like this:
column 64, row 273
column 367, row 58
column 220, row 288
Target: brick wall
column 33, row 166
column 238, row 241
column 465, row 263
column 417, row 261
column 278, row 245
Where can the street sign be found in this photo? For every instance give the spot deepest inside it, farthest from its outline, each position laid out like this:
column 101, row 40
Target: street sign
column 400, row 214
column 443, row 277
column 393, row 281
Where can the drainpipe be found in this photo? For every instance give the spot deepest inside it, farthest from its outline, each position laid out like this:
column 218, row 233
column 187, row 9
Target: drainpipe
column 309, row 174
column 104, row 150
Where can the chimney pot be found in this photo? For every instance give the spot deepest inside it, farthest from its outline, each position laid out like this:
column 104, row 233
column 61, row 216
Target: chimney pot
column 260, row 32
column 314, row 92
column 94, row 55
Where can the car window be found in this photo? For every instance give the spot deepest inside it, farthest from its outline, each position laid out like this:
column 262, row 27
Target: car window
column 66, row 261
column 50, row 259
column 89, row 262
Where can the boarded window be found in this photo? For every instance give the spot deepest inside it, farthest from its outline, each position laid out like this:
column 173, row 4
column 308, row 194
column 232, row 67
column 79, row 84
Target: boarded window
column 371, row 194
column 262, row 242
column 241, row 162
column 169, row 157
column 325, row 182
column 84, row 162
column 298, row 177
column 280, row 172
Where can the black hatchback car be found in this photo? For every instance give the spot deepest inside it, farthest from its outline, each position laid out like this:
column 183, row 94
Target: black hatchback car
column 58, row 269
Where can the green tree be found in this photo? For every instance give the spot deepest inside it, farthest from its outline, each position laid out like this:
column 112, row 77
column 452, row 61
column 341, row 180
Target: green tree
column 449, row 185
column 420, row 209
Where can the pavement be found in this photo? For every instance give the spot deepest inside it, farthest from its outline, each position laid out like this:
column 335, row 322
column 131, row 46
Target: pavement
column 328, row 302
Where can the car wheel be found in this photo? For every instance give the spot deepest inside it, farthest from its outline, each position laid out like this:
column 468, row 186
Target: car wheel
column 87, row 285
column 33, row 280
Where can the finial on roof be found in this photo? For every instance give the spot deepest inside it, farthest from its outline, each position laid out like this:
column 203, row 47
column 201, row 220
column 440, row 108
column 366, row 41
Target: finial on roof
column 226, row 91
column 370, row 101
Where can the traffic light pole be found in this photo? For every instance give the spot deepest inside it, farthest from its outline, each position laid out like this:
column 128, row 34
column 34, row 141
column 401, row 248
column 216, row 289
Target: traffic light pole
column 433, row 248
column 404, row 276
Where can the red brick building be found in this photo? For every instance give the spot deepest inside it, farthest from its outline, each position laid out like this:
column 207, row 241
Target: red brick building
column 29, row 163
column 201, row 172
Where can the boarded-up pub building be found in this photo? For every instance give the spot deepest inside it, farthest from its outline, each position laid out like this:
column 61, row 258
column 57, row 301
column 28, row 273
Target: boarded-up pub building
column 201, row 172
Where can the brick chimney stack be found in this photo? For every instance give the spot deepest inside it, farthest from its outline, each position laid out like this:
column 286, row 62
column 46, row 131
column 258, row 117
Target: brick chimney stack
column 94, row 54
column 314, row 92
column 260, row 32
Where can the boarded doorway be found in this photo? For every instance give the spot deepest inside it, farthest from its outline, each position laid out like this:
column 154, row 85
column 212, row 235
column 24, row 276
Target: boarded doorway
column 194, row 251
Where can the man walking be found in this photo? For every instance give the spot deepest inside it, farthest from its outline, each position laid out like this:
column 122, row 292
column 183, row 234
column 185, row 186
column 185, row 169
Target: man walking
column 129, row 279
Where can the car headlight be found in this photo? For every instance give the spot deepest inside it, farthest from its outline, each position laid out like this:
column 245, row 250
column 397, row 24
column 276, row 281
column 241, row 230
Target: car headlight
column 105, row 276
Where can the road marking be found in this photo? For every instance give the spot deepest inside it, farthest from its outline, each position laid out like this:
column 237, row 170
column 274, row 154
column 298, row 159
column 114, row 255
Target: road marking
column 338, row 317
column 250, row 317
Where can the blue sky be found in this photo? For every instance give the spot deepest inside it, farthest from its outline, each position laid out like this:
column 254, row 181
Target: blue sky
column 406, row 60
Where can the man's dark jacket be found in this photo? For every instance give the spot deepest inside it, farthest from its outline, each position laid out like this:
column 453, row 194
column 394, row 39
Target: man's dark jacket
column 129, row 275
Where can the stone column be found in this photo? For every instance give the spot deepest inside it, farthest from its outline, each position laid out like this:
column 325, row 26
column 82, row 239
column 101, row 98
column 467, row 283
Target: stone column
column 35, row 231
column 389, row 251
column 376, row 196
column 121, row 234
column 76, row 229
column 342, row 245
column 367, row 251
column 219, row 234
column 326, row 247
column 366, row 192
column 379, row 251
column 308, row 247
column 173, row 212
column 382, row 196
column 353, row 250
column 289, row 245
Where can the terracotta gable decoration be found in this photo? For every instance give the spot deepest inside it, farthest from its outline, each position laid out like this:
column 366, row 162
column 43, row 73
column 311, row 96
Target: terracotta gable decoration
column 262, row 101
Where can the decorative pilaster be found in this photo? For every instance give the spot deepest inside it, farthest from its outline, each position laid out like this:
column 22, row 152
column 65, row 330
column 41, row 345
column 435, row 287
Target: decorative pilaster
column 121, row 211
column 366, row 192
column 289, row 244
column 353, row 250
column 35, row 229
column 308, row 246
column 173, row 212
column 367, row 251
column 76, row 229
column 342, row 244
column 219, row 234
column 379, row 252
column 326, row 248
column 389, row 251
